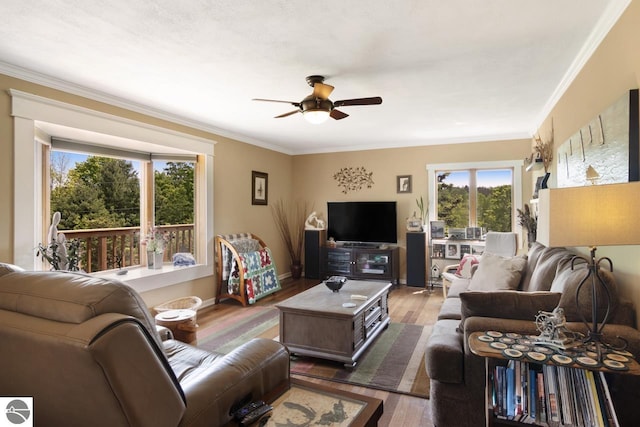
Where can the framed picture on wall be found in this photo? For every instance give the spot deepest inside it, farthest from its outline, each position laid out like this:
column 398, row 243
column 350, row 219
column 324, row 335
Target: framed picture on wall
column 404, row 183
column 259, row 188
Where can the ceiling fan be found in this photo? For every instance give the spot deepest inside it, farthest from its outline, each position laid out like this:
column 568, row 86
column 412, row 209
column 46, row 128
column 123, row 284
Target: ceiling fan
column 317, row 107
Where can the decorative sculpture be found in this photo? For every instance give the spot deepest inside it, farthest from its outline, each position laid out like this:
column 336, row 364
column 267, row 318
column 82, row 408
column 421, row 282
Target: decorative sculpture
column 553, row 330
column 313, row 222
column 59, row 253
column 57, row 242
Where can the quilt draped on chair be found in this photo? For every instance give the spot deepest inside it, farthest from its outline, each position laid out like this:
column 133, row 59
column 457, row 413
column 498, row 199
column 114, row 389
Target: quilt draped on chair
column 260, row 275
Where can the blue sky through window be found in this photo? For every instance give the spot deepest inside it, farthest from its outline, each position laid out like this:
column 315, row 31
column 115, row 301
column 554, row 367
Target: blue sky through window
column 75, row 158
column 487, row 178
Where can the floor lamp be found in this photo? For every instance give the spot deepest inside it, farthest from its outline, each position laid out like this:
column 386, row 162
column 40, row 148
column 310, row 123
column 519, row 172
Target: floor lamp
column 593, row 215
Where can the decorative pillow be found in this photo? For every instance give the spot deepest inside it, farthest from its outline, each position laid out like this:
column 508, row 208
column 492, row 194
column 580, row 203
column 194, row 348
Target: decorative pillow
column 507, row 304
column 497, row 273
column 465, row 268
column 567, row 282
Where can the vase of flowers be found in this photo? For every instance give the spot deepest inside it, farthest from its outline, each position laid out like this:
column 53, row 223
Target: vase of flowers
column 155, row 241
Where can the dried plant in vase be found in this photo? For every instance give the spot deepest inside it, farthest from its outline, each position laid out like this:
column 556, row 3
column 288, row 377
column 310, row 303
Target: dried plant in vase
column 290, row 219
column 528, row 221
column 544, row 150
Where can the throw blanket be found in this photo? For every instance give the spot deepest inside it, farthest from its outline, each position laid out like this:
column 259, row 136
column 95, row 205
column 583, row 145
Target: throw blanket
column 260, row 275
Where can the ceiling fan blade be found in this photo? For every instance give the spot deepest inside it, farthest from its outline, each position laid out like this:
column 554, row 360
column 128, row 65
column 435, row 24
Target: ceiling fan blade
column 286, row 114
column 359, row 101
column 322, row 91
column 337, row 115
column 295, row 104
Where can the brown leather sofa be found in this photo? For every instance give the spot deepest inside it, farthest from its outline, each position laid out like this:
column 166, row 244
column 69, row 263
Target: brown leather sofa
column 457, row 393
column 88, row 352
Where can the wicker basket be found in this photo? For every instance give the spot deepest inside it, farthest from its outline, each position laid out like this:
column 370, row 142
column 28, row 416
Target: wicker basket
column 184, row 303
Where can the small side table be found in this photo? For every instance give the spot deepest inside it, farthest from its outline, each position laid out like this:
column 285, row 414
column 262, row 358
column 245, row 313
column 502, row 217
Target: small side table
column 182, row 323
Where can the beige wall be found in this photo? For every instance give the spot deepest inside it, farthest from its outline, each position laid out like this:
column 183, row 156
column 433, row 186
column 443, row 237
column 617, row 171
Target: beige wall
column 233, row 164
column 315, row 182
column 613, row 69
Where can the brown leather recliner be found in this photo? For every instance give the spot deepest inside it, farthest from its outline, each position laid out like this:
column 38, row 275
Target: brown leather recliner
column 88, row 352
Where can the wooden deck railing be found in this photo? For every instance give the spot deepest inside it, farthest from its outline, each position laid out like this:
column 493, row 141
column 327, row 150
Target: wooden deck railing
column 107, row 248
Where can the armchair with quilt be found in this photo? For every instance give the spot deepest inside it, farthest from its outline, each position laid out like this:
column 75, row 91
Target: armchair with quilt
column 244, row 268
column 88, row 352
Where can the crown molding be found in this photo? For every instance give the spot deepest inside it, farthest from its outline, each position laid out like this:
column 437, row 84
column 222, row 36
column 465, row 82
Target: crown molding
column 96, row 95
column 422, row 143
column 608, row 19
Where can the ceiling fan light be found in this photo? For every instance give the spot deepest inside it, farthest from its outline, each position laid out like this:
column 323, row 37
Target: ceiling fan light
column 316, row 116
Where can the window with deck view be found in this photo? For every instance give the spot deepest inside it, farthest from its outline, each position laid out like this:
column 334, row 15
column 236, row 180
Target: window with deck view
column 104, row 204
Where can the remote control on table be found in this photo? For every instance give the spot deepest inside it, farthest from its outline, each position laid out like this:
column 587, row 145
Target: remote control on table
column 256, row 414
column 247, row 409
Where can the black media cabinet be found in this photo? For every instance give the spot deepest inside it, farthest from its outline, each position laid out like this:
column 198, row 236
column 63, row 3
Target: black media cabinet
column 363, row 261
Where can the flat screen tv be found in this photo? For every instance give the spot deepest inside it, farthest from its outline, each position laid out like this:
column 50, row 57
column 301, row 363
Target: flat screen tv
column 362, row 222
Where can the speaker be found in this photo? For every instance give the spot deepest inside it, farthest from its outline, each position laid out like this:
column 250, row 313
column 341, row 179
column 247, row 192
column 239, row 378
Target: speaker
column 417, row 259
column 313, row 241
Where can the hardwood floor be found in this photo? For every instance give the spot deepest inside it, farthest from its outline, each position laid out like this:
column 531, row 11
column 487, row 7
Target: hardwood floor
column 406, row 304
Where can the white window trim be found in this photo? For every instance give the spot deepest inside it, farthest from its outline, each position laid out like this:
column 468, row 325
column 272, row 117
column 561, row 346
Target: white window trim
column 516, row 165
column 28, row 109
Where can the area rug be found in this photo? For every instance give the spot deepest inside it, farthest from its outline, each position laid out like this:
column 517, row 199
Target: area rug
column 394, row 362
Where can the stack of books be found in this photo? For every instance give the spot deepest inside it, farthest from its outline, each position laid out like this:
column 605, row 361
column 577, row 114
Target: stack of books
column 549, row 395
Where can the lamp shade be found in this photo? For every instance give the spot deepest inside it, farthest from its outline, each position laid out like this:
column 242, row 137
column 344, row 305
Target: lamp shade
column 594, row 215
column 316, row 116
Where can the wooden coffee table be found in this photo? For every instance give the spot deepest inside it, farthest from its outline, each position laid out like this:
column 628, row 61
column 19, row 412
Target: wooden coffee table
column 315, row 322
column 305, row 400
column 306, row 403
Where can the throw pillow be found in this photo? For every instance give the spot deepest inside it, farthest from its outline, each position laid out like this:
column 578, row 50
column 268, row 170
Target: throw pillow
column 497, row 273
column 506, row 304
column 567, row 282
column 465, row 268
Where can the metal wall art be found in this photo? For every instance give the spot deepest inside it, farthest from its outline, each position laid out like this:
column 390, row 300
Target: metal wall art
column 353, row 179
column 605, row 150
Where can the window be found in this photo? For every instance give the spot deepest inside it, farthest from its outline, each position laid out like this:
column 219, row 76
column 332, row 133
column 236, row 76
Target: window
column 99, row 198
column 475, row 195
column 36, row 119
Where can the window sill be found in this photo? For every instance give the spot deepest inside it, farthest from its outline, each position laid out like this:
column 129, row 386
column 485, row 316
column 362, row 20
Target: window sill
column 144, row 279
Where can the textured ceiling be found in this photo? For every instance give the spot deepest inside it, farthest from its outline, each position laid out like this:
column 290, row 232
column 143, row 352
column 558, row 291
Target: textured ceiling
column 448, row 71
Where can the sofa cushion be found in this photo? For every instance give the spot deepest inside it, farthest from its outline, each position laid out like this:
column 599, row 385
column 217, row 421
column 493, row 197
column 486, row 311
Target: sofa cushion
column 444, row 355
column 546, row 268
column 507, row 304
column 458, row 285
column 567, row 281
column 450, row 309
column 533, row 255
column 496, row 273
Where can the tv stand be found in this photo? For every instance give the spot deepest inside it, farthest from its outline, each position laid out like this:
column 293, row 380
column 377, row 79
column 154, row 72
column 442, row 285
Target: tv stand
column 360, row 245
column 363, row 262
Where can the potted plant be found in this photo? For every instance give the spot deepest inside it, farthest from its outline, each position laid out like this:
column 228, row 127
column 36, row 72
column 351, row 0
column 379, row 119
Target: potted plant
column 290, row 219
column 424, row 212
column 60, row 253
